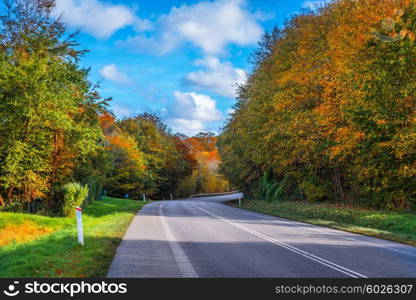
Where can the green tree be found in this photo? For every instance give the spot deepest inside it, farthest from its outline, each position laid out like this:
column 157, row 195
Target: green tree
column 48, row 108
column 328, row 112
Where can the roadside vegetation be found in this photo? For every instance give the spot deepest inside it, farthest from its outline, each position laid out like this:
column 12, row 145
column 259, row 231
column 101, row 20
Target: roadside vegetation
column 61, row 147
column 60, row 144
column 328, row 114
column 52, row 250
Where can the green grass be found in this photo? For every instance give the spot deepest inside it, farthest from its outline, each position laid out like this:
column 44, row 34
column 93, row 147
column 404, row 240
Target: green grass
column 59, row 254
column 396, row 226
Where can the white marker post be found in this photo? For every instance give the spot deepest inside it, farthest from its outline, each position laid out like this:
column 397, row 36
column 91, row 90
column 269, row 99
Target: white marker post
column 171, row 197
column 144, row 197
column 240, row 196
column 79, row 225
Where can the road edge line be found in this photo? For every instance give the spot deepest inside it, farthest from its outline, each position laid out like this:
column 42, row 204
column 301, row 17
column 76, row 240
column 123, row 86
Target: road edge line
column 182, row 261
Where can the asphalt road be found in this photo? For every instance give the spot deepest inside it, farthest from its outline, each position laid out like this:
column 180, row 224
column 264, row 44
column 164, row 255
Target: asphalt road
column 204, row 238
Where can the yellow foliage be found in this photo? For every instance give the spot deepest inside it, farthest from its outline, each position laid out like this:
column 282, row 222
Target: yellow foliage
column 381, row 122
column 24, row 232
column 347, row 139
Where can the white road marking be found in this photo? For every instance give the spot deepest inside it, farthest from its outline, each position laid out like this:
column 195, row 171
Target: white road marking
column 184, row 265
column 271, row 218
column 305, row 254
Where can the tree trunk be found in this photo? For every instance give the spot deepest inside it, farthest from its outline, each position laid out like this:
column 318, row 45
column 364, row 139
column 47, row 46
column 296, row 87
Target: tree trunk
column 10, row 194
column 339, row 183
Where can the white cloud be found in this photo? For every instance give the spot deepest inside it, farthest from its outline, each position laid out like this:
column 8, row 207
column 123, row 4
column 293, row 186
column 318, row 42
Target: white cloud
column 160, row 45
column 209, row 25
column 142, row 24
column 112, row 73
column 230, row 111
column 316, row 4
column 220, row 78
column 195, row 106
column 97, row 18
column 121, row 111
column 191, row 112
column 187, row 127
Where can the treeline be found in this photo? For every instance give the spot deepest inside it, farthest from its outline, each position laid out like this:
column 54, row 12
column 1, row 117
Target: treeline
column 60, row 146
column 329, row 110
column 142, row 155
column 205, row 177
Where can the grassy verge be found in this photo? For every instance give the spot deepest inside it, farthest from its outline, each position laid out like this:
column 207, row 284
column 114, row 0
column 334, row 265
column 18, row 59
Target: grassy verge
column 57, row 253
column 395, row 226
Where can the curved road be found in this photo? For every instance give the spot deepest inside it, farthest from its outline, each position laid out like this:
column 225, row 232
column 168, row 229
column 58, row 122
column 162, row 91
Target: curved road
column 203, row 237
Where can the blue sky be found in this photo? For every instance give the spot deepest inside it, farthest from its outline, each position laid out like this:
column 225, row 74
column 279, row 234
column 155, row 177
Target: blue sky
column 178, row 59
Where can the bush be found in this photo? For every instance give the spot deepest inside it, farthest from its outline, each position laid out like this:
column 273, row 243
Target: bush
column 315, row 191
column 95, row 190
column 271, row 189
column 74, row 195
column 15, row 206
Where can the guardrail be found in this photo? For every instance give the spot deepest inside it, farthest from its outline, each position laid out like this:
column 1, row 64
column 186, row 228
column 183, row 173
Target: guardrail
column 213, row 194
column 236, row 194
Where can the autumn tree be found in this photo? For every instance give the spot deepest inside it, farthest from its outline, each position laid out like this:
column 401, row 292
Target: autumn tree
column 327, row 113
column 205, row 177
column 48, row 108
column 145, row 157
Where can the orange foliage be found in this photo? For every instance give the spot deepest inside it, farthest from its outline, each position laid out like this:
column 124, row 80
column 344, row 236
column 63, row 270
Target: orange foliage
column 204, row 151
column 63, row 159
column 346, row 138
column 127, row 144
column 23, row 232
column 205, row 178
column 117, row 139
column 106, row 121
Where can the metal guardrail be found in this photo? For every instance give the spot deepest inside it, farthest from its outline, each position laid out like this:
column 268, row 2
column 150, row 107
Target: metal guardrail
column 213, row 194
column 236, row 194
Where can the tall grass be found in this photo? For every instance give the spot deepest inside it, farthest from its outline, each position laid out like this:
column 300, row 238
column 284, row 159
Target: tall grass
column 58, row 254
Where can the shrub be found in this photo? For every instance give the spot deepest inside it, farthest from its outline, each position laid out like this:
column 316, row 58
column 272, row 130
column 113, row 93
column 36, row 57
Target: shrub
column 15, row 206
column 271, row 189
column 74, row 195
column 314, row 190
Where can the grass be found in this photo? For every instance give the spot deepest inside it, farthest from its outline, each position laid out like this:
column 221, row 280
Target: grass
column 24, row 232
column 395, row 226
column 51, row 248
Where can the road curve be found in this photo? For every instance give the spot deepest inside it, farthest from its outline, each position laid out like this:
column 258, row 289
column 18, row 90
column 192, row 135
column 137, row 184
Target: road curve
column 202, row 237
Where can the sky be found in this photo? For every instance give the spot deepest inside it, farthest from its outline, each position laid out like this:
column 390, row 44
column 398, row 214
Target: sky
column 178, row 59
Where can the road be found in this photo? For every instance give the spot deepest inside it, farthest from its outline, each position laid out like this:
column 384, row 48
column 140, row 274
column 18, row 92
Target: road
column 205, row 238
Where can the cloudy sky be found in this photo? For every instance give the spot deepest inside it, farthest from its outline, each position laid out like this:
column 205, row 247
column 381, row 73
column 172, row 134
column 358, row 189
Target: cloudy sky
column 178, row 59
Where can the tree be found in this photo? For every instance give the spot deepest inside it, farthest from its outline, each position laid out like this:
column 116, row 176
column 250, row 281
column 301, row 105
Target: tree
column 327, row 112
column 164, row 158
column 48, row 108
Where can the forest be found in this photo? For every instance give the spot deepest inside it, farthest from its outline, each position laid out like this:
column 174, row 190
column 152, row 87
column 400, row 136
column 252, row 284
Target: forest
column 328, row 113
column 60, row 144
